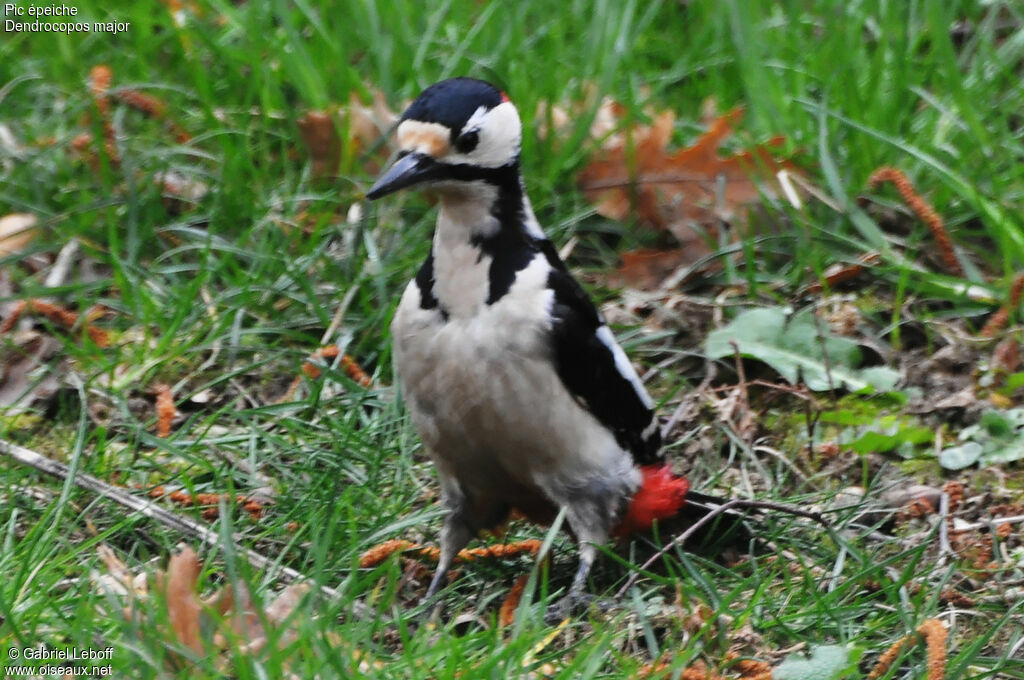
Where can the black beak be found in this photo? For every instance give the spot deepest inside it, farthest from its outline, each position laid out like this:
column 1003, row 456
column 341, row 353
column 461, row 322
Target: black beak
column 408, row 170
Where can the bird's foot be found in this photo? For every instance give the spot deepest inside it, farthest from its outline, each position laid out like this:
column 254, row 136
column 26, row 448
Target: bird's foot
column 433, row 614
column 574, row 604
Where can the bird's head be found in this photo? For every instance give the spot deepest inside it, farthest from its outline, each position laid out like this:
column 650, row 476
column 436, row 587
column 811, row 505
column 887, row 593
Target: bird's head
column 457, row 131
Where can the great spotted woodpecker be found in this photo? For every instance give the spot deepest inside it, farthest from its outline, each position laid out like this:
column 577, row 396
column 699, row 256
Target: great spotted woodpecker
column 523, row 397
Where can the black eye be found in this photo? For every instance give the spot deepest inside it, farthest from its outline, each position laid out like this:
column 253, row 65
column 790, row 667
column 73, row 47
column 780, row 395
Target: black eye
column 467, row 141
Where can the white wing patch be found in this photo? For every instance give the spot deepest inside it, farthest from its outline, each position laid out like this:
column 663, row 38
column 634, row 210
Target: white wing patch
column 533, row 227
column 625, row 369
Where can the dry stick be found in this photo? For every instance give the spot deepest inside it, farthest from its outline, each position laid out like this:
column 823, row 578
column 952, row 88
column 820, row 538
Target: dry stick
column 682, row 538
column 995, row 521
column 945, row 548
column 825, row 360
column 62, row 264
column 742, row 386
column 181, row 524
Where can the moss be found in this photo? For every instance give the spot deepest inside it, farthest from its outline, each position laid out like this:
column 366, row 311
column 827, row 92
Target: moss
column 53, row 440
column 16, row 427
column 922, row 469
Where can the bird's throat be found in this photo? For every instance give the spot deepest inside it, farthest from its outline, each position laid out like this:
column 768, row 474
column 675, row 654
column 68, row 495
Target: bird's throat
column 482, row 239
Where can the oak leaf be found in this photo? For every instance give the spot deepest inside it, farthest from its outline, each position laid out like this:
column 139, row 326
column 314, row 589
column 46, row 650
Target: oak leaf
column 687, row 193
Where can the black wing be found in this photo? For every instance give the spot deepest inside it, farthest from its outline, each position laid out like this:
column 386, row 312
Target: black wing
column 594, row 368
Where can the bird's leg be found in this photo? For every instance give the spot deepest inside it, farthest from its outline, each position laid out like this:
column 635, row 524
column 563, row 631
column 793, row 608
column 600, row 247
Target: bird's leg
column 576, row 600
column 590, row 522
column 588, row 552
column 455, row 535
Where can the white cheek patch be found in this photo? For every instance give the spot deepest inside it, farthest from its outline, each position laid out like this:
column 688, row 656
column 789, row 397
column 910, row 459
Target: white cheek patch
column 477, row 119
column 500, row 133
column 429, row 138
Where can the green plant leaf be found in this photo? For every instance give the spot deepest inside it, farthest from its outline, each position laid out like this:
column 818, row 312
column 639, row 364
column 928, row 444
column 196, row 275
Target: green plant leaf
column 826, row 662
column 960, row 456
column 997, row 438
column 795, row 348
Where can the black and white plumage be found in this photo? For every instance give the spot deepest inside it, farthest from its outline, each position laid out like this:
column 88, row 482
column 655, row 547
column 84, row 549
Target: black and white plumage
column 517, row 386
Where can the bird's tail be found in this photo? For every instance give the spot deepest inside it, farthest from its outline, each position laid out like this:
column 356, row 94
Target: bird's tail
column 663, row 496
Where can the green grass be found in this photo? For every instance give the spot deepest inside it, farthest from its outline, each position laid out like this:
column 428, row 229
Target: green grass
column 225, row 300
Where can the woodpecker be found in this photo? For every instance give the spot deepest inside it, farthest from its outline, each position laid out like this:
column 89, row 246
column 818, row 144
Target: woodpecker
column 520, row 392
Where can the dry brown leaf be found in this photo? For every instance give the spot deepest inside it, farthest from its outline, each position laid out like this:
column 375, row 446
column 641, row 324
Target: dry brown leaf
column 183, row 607
column 322, row 141
column 368, row 124
column 363, row 125
column 117, row 568
column 841, row 272
column 234, row 602
column 20, row 357
column 119, row 580
column 225, row 624
column 687, row 193
column 647, row 268
column 692, row 185
column 286, row 602
column 564, row 118
column 16, row 231
column 1006, row 355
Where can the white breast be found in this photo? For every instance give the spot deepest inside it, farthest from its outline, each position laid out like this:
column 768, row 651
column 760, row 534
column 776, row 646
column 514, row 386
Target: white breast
column 487, row 401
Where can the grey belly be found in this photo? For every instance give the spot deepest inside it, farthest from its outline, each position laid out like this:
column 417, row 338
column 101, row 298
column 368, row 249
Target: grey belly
column 496, row 417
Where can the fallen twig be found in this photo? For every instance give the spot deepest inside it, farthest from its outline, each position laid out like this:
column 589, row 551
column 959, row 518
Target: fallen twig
column 153, row 511
column 945, row 548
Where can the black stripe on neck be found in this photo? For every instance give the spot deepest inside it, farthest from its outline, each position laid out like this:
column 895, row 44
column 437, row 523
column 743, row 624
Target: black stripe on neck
column 425, row 282
column 511, row 248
